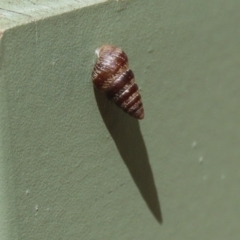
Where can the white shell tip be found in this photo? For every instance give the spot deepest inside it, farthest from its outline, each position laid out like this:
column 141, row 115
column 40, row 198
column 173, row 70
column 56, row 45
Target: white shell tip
column 97, row 52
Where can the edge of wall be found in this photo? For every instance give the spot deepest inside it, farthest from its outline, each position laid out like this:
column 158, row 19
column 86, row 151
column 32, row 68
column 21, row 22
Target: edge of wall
column 15, row 13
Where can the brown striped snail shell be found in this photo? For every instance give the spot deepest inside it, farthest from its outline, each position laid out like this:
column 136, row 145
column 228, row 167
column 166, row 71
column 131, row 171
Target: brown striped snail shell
column 111, row 75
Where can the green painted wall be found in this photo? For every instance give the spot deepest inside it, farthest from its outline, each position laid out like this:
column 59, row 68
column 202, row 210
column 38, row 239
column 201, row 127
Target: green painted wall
column 74, row 166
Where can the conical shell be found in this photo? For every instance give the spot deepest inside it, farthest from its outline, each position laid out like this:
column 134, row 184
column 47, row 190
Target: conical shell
column 112, row 75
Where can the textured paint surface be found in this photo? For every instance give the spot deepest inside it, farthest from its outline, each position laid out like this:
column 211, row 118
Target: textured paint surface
column 74, row 166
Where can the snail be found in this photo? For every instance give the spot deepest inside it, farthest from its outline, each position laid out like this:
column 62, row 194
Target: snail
column 111, row 75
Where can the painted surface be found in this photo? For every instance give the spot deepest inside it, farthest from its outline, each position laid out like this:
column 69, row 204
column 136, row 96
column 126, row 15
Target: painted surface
column 74, row 166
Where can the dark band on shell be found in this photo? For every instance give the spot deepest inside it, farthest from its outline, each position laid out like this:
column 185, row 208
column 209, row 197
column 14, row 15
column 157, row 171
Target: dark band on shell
column 111, row 74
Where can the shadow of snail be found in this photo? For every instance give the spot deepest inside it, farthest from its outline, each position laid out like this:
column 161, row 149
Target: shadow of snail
column 125, row 131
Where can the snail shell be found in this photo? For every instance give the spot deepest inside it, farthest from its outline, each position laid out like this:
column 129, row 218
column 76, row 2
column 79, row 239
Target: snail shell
column 111, row 75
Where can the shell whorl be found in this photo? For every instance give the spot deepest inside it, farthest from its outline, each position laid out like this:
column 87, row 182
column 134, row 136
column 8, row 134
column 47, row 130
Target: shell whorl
column 111, row 74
